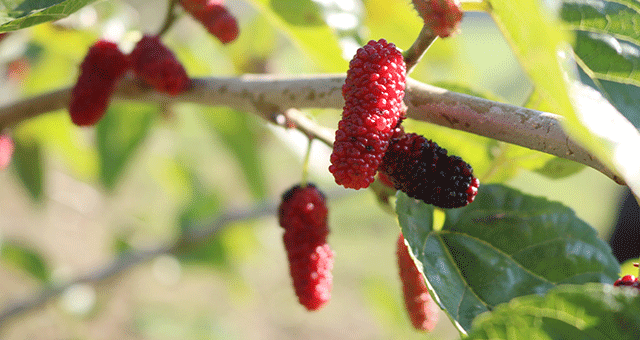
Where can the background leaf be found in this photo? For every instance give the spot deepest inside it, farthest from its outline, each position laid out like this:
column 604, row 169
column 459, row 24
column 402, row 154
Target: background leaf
column 119, row 134
column 28, row 162
column 17, row 14
column 504, row 245
column 591, row 311
column 24, row 258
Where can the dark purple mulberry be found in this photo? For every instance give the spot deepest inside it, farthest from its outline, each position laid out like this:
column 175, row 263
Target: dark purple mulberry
column 423, row 170
column 303, row 215
column 373, row 93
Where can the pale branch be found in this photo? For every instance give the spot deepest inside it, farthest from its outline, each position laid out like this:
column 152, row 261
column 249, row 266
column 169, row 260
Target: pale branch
column 270, row 96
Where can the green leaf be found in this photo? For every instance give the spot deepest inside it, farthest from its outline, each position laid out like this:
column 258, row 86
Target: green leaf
column 590, row 311
column 607, row 47
column 241, row 134
column 504, row 245
column 394, row 20
column 299, row 21
column 557, row 167
column 24, row 258
column 18, row 14
column 29, row 164
column 119, row 134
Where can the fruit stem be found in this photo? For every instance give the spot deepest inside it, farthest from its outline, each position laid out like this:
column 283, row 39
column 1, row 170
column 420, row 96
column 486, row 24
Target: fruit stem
column 169, row 19
column 414, row 54
column 305, row 164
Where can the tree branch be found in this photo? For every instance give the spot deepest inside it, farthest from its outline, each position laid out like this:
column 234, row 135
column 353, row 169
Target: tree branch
column 270, row 96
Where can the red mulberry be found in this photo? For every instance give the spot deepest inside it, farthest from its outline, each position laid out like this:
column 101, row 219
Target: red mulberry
column 627, row 280
column 442, row 16
column 215, row 17
column 6, row 150
column 423, row 170
column 421, row 308
column 303, row 215
column 101, row 68
column 373, row 94
column 156, row 64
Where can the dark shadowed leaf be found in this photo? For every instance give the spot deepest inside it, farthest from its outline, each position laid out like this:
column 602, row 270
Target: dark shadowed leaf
column 24, row 258
column 28, row 162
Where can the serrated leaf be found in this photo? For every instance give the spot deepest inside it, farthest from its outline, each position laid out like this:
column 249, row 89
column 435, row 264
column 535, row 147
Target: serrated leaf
column 18, row 14
column 315, row 39
column 28, row 162
column 119, row 134
column 504, row 245
column 240, row 133
column 590, row 311
column 24, row 258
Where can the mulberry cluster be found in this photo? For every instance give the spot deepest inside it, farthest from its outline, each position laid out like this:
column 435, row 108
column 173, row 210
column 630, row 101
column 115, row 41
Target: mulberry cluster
column 422, row 310
column 373, row 94
column 303, row 215
column 104, row 65
column 100, row 70
column 628, row 281
column 154, row 63
column 215, row 17
column 423, row 170
column 442, row 16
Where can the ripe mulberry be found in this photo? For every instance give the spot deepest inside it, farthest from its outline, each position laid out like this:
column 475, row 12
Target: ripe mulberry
column 373, row 93
column 627, row 280
column 215, row 17
column 156, row 64
column 303, row 215
column 421, row 308
column 423, row 170
column 442, row 16
column 100, row 70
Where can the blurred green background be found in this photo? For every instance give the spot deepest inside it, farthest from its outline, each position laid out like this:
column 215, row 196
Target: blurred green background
column 146, row 171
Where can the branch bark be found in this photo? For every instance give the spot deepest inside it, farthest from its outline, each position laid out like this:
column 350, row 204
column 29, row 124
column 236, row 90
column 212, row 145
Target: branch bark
column 271, row 96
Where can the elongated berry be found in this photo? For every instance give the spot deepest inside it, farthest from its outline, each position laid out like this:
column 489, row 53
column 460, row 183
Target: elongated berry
column 423, row 170
column 100, row 70
column 422, row 310
column 442, row 16
column 303, row 215
column 6, row 150
column 155, row 64
column 215, row 17
column 373, row 93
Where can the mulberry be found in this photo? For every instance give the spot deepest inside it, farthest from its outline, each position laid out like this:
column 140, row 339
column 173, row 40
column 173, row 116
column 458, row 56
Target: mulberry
column 303, row 215
column 421, row 308
column 215, row 17
column 156, row 64
column 627, row 280
column 373, row 93
column 100, row 70
column 6, row 150
column 442, row 16
column 423, row 170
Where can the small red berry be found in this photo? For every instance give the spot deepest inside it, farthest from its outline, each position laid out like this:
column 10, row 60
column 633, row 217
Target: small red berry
column 215, row 17
column 373, row 93
column 156, row 64
column 421, row 308
column 442, row 16
column 6, row 150
column 423, row 170
column 303, row 215
column 100, row 70
column 627, row 280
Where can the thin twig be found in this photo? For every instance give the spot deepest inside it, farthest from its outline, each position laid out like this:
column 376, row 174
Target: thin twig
column 414, row 54
column 128, row 260
column 169, row 19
